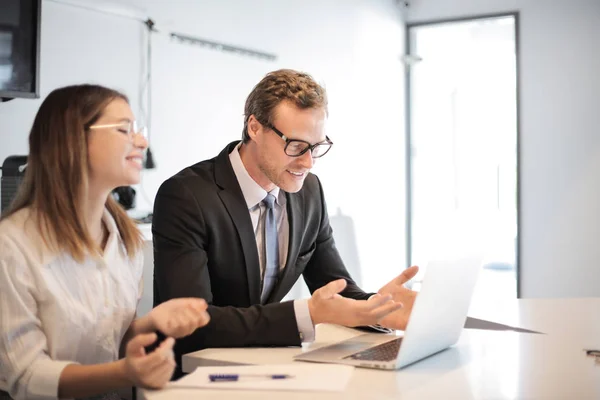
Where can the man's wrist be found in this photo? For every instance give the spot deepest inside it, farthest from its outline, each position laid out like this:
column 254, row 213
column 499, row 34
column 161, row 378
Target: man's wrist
column 313, row 312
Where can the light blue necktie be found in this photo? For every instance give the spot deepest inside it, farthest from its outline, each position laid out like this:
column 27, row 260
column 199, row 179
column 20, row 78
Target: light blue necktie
column 271, row 271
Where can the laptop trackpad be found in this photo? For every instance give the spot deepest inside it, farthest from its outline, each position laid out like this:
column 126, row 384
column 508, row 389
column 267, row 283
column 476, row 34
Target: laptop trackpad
column 346, row 348
column 387, row 351
column 349, row 347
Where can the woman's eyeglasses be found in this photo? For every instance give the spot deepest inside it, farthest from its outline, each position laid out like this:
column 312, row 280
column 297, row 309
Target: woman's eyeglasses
column 128, row 128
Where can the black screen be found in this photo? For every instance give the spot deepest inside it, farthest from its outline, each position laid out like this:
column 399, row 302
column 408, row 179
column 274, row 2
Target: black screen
column 19, row 48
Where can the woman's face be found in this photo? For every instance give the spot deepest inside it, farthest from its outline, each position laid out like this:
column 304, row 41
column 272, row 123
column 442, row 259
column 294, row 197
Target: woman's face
column 115, row 150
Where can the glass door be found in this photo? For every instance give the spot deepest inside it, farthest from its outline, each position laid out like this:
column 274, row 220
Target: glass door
column 463, row 147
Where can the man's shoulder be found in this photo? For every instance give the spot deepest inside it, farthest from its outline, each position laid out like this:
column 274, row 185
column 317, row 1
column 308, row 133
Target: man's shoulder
column 311, row 181
column 199, row 175
column 311, row 187
column 203, row 170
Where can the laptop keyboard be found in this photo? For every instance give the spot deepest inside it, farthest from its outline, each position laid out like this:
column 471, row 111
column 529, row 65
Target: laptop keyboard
column 387, row 351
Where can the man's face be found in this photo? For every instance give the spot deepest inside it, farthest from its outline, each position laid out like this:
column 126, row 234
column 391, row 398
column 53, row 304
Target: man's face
column 288, row 173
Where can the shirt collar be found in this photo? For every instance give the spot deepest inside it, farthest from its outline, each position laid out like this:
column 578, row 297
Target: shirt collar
column 252, row 191
column 26, row 221
column 109, row 222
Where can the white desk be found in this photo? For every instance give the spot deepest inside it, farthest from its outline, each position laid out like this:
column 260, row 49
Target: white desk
column 484, row 364
column 575, row 320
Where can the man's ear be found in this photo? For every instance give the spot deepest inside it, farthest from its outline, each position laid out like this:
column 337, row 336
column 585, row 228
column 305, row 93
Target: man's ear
column 254, row 127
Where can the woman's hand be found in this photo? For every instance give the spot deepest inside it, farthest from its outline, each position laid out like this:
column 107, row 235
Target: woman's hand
column 151, row 371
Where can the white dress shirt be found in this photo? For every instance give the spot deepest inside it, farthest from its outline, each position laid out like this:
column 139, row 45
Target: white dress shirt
column 254, row 194
column 55, row 311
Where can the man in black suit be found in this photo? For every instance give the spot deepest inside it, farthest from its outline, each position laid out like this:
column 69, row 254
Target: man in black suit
column 240, row 229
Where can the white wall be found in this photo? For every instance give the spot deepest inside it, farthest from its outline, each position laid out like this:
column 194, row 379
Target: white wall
column 559, row 138
column 77, row 46
column 351, row 46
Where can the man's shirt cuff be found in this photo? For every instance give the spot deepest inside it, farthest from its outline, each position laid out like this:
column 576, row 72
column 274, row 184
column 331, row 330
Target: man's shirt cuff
column 306, row 328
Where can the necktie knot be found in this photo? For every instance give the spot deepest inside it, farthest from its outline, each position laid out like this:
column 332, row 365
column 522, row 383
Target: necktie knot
column 269, row 201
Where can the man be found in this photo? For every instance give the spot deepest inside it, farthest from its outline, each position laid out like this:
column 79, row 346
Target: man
column 240, row 229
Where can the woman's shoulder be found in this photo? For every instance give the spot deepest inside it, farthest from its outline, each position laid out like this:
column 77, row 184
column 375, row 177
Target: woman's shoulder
column 20, row 233
column 17, row 225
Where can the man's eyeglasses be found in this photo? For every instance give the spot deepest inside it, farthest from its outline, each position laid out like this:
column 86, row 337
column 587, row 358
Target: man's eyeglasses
column 128, row 128
column 296, row 148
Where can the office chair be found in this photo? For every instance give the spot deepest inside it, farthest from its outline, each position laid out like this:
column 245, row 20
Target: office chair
column 13, row 171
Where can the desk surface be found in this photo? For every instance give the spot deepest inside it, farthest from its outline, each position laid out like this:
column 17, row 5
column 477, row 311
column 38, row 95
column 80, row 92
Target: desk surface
column 572, row 319
column 483, row 364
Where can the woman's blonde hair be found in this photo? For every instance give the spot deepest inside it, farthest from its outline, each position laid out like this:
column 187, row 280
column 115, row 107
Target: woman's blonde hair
column 56, row 177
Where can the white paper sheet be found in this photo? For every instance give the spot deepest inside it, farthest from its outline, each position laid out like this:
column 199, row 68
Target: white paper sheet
column 306, row 377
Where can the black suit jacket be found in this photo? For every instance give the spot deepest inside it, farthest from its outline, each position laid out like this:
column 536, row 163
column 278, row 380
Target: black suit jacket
column 204, row 246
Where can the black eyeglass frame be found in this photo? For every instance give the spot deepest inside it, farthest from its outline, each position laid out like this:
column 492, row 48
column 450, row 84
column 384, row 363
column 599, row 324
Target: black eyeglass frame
column 309, row 146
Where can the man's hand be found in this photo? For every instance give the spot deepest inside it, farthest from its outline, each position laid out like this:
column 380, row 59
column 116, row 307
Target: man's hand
column 401, row 294
column 178, row 318
column 326, row 305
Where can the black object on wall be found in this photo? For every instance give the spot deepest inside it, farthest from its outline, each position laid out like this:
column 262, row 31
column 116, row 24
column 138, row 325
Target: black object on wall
column 20, row 22
column 13, row 171
column 125, row 195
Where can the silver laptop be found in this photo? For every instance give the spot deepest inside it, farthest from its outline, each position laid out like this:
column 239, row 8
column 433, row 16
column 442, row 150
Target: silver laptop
column 436, row 322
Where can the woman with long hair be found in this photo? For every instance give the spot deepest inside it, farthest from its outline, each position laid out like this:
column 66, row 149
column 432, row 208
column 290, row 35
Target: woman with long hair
column 71, row 260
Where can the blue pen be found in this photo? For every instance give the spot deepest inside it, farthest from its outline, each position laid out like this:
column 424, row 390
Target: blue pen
column 236, row 377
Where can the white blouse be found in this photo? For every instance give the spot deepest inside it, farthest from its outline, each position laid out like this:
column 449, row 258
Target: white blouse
column 55, row 311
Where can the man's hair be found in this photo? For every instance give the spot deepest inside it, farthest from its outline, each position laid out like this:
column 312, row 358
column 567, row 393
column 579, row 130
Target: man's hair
column 298, row 88
column 56, row 178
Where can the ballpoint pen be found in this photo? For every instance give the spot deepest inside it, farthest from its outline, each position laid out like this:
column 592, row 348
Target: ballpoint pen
column 235, row 377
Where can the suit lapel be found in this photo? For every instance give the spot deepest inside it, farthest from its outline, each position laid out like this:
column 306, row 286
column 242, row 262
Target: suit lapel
column 232, row 197
column 295, row 213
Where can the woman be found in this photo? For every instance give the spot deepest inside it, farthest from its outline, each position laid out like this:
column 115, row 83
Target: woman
column 71, row 262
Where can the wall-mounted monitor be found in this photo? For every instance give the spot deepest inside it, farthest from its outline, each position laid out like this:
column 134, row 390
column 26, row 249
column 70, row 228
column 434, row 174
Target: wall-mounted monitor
column 20, row 48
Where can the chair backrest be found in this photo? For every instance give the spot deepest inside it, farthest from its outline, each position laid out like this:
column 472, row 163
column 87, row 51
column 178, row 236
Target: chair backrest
column 13, row 171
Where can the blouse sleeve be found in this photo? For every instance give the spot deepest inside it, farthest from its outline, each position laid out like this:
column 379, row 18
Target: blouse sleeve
column 26, row 370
